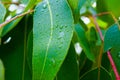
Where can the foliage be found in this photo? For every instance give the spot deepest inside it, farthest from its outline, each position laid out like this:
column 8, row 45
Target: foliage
column 60, row 40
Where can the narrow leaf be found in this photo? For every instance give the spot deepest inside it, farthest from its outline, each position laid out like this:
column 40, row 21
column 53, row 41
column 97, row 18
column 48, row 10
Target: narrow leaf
column 2, row 15
column 52, row 33
column 76, row 6
column 13, row 54
column 83, row 41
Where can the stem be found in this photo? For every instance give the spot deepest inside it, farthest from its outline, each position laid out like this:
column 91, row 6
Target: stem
column 98, row 29
column 99, row 61
column 113, row 65
column 108, row 52
column 14, row 18
column 17, row 3
column 114, row 18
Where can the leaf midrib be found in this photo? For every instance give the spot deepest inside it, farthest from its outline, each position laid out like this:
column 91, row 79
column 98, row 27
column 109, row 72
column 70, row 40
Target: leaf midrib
column 51, row 33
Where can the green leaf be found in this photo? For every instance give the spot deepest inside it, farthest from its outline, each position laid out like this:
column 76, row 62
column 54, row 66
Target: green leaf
column 112, row 42
column 30, row 49
column 76, row 6
column 12, row 24
column 1, row 71
column 2, row 15
column 84, row 42
column 52, row 34
column 104, row 75
column 69, row 68
column 14, row 54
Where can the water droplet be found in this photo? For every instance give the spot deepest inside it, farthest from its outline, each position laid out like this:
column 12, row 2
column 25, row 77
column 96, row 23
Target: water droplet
column 56, row 25
column 57, row 0
column 44, row 6
column 62, row 34
column 65, row 26
column 42, row 10
column 118, row 54
column 57, row 14
column 61, row 27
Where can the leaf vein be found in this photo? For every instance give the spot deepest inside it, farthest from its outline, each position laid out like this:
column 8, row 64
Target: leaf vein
column 51, row 33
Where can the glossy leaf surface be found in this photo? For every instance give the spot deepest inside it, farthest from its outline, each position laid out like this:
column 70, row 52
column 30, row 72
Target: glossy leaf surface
column 51, row 37
column 3, row 11
column 83, row 41
column 112, row 42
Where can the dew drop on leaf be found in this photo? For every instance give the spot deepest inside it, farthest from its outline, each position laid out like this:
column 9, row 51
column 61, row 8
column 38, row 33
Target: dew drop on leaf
column 44, row 6
column 57, row 15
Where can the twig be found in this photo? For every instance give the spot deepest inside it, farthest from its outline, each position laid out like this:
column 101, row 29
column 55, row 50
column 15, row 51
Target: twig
column 98, row 29
column 113, row 65
column 14, row 18
column 108, row 52
column 106, row 13
column 17, row 3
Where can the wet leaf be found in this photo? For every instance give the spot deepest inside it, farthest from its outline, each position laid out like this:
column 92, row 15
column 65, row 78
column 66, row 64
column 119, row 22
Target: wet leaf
column 52, row 34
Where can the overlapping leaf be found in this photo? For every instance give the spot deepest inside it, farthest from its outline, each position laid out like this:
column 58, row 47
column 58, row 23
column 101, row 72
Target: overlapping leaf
column 112, row 42
column 70, row 67
column 10, row 26
column 2, row 15
column 76, row 6
column 52, row 33
column 83, row 41
column 14, row 54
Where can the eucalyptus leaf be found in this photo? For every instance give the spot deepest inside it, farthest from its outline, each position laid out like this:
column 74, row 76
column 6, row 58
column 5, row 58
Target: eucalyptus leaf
column 52, row 34
column 112, row 42
column 2, row 15
column 76, row 5
column 84, row 42
column 69, row 67
column 14, row 54
column 12, row 24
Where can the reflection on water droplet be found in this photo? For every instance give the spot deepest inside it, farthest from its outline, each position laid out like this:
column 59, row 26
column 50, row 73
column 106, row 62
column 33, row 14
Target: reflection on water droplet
column 56, row 25
column 65, row 26
column 61, row 34
column 45, row 6
column 42, row 10
column 118, row 54
column 57, row 14
column 61, row 27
